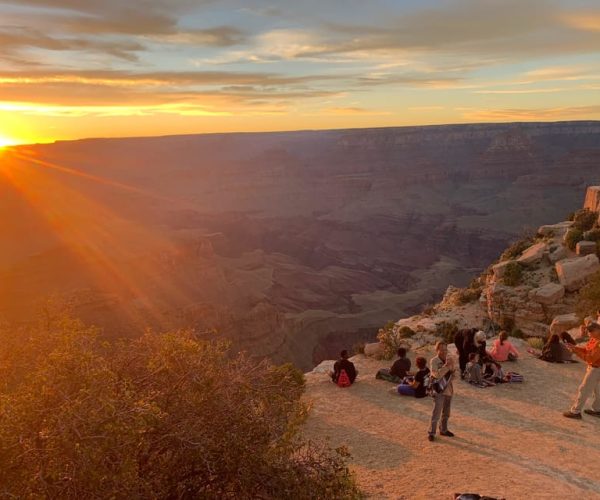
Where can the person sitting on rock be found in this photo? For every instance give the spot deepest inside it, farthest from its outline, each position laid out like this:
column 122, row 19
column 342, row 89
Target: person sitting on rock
column 492, row 372
column 399, row 370
column 344, row 365
column 416, row 386
column 555, row 351
column 503, row 350
column 473, row 373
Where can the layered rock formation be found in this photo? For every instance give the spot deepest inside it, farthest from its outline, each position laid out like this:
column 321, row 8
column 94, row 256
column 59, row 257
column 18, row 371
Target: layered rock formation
column 532, row 290
column 292, row 244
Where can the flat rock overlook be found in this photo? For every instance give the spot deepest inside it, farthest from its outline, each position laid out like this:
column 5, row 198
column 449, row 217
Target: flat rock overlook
column 291, row 244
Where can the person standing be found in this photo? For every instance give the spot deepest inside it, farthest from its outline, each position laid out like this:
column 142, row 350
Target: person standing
column 460, row 338
column 442, row 369
column 590, row 353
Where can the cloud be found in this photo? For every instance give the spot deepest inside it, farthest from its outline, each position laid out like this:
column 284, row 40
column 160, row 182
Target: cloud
column 531, row 114
column 14, row 38
column 230, row 90
column 353, row 110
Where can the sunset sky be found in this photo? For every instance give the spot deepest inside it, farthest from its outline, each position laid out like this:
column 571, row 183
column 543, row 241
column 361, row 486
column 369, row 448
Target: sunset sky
column 79, row 68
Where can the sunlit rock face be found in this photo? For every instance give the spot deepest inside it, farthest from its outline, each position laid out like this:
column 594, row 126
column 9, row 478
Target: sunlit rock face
column 294, row 244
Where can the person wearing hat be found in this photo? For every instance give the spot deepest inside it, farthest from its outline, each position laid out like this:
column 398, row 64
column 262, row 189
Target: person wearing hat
column 590, row 353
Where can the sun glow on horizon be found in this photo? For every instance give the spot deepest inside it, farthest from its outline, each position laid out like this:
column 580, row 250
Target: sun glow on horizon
column 6, row 141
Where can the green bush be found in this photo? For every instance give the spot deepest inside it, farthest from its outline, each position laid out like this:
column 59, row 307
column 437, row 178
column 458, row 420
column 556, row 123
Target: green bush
column 516, row 249
column 573, row 237
column 513, row 273
column 447, row 330
column 163, row 416
column 585, row 219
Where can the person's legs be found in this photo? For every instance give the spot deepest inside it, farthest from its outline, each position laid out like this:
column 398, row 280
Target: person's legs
column 438, row 404
column 406, row 390
column 447, row 401
column 588, row 386
column 596, row 401
column 463, row 359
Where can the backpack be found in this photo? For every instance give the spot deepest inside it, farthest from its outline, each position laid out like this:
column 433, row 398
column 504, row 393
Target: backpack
column 343, row 379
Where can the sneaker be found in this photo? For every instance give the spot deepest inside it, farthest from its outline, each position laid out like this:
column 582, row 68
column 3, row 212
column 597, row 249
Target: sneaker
column 594, row 413
column 431, row 437
column 570, row 414
column 447, row 433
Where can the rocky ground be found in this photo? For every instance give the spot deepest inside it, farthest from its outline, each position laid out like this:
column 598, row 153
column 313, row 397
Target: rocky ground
column 511, row 440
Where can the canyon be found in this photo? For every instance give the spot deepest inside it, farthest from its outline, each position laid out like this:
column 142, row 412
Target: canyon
column 290, row 244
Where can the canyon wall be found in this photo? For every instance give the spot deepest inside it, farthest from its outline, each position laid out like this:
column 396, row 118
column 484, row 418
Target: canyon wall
column 292, row 244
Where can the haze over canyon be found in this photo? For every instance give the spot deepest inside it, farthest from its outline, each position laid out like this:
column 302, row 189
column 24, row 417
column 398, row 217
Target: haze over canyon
column 292, row 244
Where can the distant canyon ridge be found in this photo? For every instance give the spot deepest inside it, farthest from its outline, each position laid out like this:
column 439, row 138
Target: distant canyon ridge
column 291, row 244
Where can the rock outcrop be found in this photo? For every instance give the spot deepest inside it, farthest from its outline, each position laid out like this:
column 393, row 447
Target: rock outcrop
column 535, row 291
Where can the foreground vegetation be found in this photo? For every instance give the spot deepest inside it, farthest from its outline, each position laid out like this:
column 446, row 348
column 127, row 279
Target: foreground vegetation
column 164, row 416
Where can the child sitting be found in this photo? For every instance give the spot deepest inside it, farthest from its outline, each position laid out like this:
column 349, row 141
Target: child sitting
column 493, row 372
column 473, row 373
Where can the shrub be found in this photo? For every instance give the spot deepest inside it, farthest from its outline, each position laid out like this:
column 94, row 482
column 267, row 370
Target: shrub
column 390, row 341
column 406, row 332
column 584, row 219
column 589, row 297
column 517, row 333
column 573, row 237
column 536, row 342
column 466, row 295
column 516, row 249
column 513, row 273
column 163, row 416
column 447, row 330
column 592, row 235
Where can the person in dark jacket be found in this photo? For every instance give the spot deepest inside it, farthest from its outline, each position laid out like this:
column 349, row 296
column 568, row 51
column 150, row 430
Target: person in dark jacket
column 344, row 364
column 552, row 350
column 399, row 370
column 459, row 341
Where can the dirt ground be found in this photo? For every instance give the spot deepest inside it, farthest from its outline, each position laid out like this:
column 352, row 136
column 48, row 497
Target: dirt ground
column 511, row 440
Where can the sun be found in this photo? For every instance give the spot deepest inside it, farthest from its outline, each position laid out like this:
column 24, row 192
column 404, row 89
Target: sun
column 6, row 141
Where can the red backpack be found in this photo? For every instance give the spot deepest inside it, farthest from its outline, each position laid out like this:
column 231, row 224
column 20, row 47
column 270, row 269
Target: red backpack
column 343, row 379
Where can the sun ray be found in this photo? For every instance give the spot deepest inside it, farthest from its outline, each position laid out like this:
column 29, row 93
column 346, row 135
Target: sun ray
column 116, row 251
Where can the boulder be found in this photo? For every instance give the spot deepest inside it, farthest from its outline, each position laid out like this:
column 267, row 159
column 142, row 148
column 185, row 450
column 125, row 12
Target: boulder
column 557, row 230
column 548, row 294
column 564, row 322
column 558, row 254
column 374, row 350
column 324, row 366
column 533, row 254
column 573, row 273
column 592, row 198
column 585, row 248
column 499, row 269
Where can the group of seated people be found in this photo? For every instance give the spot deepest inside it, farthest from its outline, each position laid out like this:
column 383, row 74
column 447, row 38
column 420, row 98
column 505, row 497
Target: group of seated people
column 409, row 383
